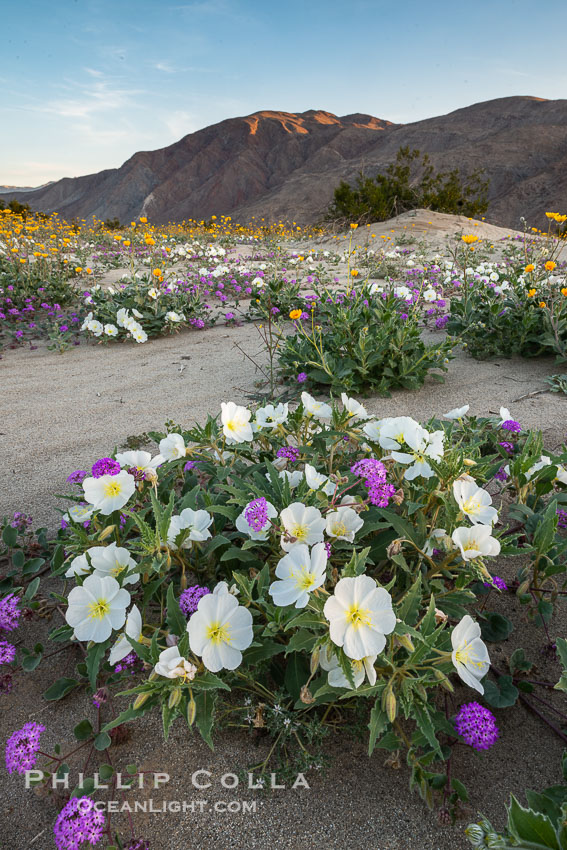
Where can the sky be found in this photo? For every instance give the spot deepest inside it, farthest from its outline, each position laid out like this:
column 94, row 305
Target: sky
column 85, row 84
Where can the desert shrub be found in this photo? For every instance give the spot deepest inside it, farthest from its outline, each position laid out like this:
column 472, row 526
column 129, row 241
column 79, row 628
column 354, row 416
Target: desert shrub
column 362, row 340
column 410, row 182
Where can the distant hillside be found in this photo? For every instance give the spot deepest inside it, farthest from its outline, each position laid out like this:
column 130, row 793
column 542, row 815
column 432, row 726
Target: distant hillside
column 286, row 165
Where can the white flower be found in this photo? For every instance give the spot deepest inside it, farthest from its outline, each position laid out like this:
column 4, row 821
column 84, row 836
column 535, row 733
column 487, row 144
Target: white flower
column 337, row 679
column 154, row 293
column 355, row 408
column 139, row 334
column 220, row 629
column 317, row 481
column 110, row 330
column 457, row 412
column 360, row 615
column 474, row 502
column 318, row 409
column 172, row 316
column 88, row 317
column 139, row 460
column 393, row 432
column 475, row 542
column 302, row 524
column 173, row 666
column 172, row 447
column 236, row 422
column 403, row 292
column 561, row 474
column 197, row 523
column 293, row 478
column 262, row 534
column 429, row 294
column 113, row 560
column 96, row 608
column 544, row 461
column 79, row 566
column 270, row 416
column 78, row 513
column 136, row 313
column 95, row 327
column 437, row 538
column 109, row 492
column 343, row 523
column 133, row 629
column 422, row 445
column 470, row 655
column 300, row 573
column 373, row 428
column 505, row 415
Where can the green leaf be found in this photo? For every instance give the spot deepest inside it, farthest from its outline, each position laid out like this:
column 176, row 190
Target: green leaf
column 208, row 681
column 496, row 627
column 10, row 536
column 205, row 715
column 377, row 725
column 425, row 725
column 408, row 610
column 129, row 714
column 83, row 730
column 175, row 620
column 105, row 771
column 460, row 790
column 357, row 563
column 267, row 649
column 519, row 663
column 296, row 674
column 95, row 655
column 60, row 688
column 530, row 827
column 502, row 694
column 102, row 741
column 301, row 640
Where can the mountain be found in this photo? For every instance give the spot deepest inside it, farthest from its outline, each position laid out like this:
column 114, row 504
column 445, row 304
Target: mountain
column 286, row 165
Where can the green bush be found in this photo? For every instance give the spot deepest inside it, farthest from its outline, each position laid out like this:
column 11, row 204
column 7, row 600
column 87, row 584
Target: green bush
column 363, row 342
column 410, row 183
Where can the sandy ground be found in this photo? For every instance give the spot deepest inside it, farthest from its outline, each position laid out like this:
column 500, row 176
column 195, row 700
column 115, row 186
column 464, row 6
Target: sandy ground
column 60, row 413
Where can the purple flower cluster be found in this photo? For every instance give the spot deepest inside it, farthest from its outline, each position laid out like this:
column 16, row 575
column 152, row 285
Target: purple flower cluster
column 189, row 599
column 78, row 823
column 289, row 452
column 373, row 473
column 77, row 477
column 22, row 747
column 501, row 475
column 127, row 665
column 512, row 426
column 561, row 518
column 7, row 652
column 477, row 726
column 21, row 521
column 302, row 377
column 508, row 447
column 9, row 613
column 497, row 582
column 441, row 322
column 256, row 514
column 105, row 466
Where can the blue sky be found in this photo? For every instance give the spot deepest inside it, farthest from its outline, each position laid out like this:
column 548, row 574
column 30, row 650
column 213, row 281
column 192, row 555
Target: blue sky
column 84, row 84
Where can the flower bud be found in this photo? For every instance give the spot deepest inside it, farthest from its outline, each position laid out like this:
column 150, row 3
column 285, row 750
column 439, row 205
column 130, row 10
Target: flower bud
column 406, row 642
column 106, row 532
column 468, row 462
column 191, row 709
column 440, row 616
column 174, row 698
column 390, row 705
column 475, row 834
column 140, row 700
column 314, row 661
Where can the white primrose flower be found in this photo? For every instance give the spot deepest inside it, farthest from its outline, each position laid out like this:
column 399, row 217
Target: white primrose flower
column 429, row 294
column 437, row 538
column 343, row 523
column 262, row 533
column 172, row 447
column 96, row 608
column 133, row 629
column 373, row 428
column 544, row 461
column 422, row 445
column 110, row 330
column 355, row 408
column 457, row 412
column 403, row 292
column 139, row 334
column 270, row 416
column 475, row 542
column 293, row 477
column 137, row 314
column 139, row 460
column 154, row 293
column 220, row 629
column 317, row 481
column 78, row 513
column 318, row 409
column 95, row 327
column 302, row 524
column 174, row 317
column 196, row 522
column 79, row 566
column 113, row 560
column 394, row 431
column 360, row 669
column 109, row 492
column 236, row 423
column 505, row 415
column 360, row 614
column 300, row 572
column 88, row 317
column 474, row 502
column 470, row 655
column 172, row 665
